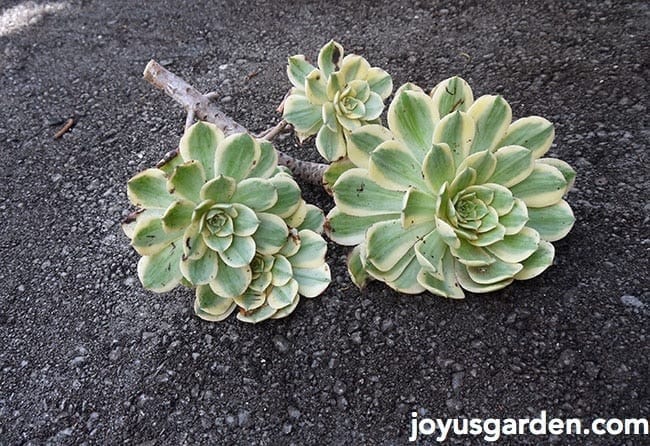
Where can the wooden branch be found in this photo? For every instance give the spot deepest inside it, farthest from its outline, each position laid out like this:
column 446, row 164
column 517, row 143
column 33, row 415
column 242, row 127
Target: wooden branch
column 203, row 108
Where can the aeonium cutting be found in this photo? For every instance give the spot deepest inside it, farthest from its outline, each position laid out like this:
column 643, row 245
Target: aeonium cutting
column 223, row 218
column 455, row 196
column 330, row 101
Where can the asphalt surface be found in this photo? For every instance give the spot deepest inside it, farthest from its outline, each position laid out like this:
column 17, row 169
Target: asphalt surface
column 87, row 356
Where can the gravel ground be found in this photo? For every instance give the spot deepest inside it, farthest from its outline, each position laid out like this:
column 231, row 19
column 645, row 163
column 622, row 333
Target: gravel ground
column 88, row 356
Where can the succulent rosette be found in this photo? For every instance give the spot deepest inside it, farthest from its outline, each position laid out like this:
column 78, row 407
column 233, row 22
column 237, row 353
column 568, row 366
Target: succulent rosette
column 342, row 94
column 454, row 196
column 210, row 216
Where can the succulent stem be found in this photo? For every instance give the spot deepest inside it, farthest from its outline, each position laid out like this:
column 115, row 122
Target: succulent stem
column 203, row 108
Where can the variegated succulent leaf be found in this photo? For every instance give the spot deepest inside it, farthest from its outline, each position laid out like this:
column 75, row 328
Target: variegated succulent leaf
column 455, row 197
column 332, row 100
column 226, row 221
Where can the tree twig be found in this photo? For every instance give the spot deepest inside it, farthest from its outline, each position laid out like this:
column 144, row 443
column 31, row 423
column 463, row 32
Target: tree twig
column 191, row 99
column 67, row 126
column 271, row 133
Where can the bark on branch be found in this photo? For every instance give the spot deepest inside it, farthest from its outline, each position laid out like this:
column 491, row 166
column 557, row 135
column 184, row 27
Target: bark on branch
column 205, row 109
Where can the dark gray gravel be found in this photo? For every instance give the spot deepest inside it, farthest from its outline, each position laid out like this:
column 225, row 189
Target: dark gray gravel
column 89, row 357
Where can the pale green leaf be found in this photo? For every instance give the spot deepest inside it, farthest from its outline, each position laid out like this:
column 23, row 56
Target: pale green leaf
column 193, row 245
column 236, row 156
column 516, row 248
column 534, row 133
column 464, row 179
column 492, row 116
column 329, row 58
column 314, row 219
column 128, row 225
column 438, row 167
column 374, row 106
column 259, row 315
column 537, row 263
column 316, row 88
column 411, row 118
column 418, row 207
column 365, row 139
column 200, row 271
column 281, row 271
column 312, row 250
column 552, row 222
column 388, row 241
column 545, row 186
column 356, row 194
column 256, row 193
column 470, row 285
column 494, row 273
column 349, row 230
column 284, row 295
column 492, row 236
column 335, row 84
column 447, row 233
column 178, row 216
column 354, row 67
column 380, row 82
column 430, row 251
column 231, row 282
column 250, row 300
column 199, row 142
column 286, row 311
column 457, row 131
column 148, row 189
column 359, row 89
column 149, row 236
column 484, row 163
column 489, row 221
column 246, row 222
column 356, row 267
column 471, row 255
column 406, row 282
column 392, row 166
column 217, row 242
column 334, row 171
column 502, row 200
column 302, row 114
column 443, row 283
column 292, row 244
column 298, row 216
column 516, row 219
column 161, row 271
column 217, row 190
column 514, row 164
column 563, row 167
column 210, row 306
column 312, row 281
column 395, row 272
column 450, row 95
column 288, row 196
column 187, row 180
column 267, row 162
column 329, row 117
column 331, row 144
column 240, row 252
column 297, row 69
column 271, row 234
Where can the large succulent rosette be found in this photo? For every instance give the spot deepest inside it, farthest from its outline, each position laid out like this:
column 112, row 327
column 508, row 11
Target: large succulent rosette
column 221, row 217
column 454, row 196
column 330, row 101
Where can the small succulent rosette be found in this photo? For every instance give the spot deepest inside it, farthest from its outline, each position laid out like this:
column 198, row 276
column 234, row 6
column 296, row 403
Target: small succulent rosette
column 342, row 94
column 221, row 217
column 454, row 196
